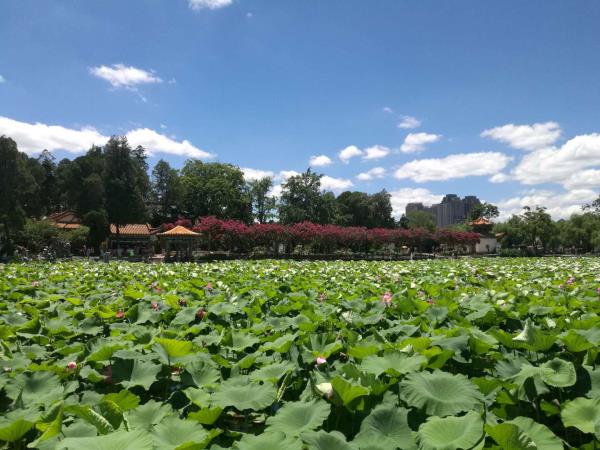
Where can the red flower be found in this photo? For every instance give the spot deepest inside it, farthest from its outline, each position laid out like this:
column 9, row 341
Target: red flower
column 120, row 314
column 201, row 314
column 154, row 306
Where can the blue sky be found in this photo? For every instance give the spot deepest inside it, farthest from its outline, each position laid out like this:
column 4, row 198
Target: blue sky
column 496, row 99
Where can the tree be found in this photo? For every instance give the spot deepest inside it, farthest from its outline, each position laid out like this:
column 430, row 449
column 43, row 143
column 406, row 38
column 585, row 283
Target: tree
column 166, row 192
column 49, row 193
column 263, row 205
column 380, row 210
column 215, row 189
column 122, row 184
column 301, row 198
column 353, row 209
column 403, row 222
column 13, row 177
column 537, row 226
column 593, row 207
column 484, row 210
column 421, row 219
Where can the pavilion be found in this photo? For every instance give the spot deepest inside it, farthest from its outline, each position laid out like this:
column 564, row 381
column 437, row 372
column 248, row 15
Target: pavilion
column 180, row 240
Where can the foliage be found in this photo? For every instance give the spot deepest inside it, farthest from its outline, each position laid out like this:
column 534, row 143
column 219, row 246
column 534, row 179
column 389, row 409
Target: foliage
column 461, row 354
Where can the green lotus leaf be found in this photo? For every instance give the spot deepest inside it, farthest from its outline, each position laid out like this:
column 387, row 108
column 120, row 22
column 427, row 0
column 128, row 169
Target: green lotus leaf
column 322, row 440
column 239, row 340
column 275, row 440
column 395, row 363
column 510, row 436
column 134, row 372
column 272, row 372
column 147, row 415
column 242, row 394
column 202, row 373
column 539, row 434
column 125, row 400
column 451, row 433
column 173, row 433
column 559, row 373
column 206, row 416
column 174, row 348
column 36, row 388
column 440, row 393
column 348, row 391
column 386, row 426
column 297, row 417
column 13, row 430
column 582, row 413
column 120, row 440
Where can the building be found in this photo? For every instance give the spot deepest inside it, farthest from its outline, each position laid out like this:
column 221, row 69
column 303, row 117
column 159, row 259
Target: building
column 450, row 211
column 488, row 243
column 65, row 220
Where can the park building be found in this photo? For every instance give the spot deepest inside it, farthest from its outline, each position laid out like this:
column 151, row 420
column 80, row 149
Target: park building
column 450, row 211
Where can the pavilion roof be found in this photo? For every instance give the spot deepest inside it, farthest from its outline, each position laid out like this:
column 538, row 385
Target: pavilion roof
column 132, row 229
column 66, row 220
column 179, row 231
column 481, row 221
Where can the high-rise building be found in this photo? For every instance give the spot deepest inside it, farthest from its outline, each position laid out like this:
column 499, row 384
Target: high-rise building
column 450, row 211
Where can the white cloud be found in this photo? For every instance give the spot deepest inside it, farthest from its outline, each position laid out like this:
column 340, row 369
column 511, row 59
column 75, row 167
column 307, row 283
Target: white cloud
column 335, row 184
column 276, row 191
column 2, row 79
column 409, row 122
column 415, row 142
column 525, row 137
column 256, row 174
column 285, row 174
column 320, row 161
column 376, row 152
column 557, row 165
column 499, row 178
column 560, row 204
column 349, row 152
column 409, row 195
column 375, row 172
column 209, row 4
column 586, row 179
column 155, row 142
column 35, row 137
column 387, row 110
column 453, row 166
column 121, row 76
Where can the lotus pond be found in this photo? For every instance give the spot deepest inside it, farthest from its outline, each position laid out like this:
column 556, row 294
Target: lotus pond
column 462, row 354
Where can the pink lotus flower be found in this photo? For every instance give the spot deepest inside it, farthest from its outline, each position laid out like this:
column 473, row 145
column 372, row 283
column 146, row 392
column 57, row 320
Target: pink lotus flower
column 182, row 302
column 71, row 365
column 322, row 296
column 571, row 280
column 560, row 286
column 208, row 286
column 431, row 301
column 386, row 298
column 120, row 314
column 598, row 290
column 421, row 293
column 321, row 360
column 35, row 283
column 201, row 314
column 154, row 306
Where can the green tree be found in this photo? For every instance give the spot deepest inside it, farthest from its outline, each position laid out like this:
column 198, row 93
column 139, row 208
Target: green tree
column 263, row 205
column 13, row 179
column 166, row 192
column 122, row 184
column 353, row 209
column 484, row 210
column 537, row 226
column 215, row 189
column 421, row 219
column 403, row 222
column 593, row 207
column 380, row 210
column 49, row 193
column 301, row 198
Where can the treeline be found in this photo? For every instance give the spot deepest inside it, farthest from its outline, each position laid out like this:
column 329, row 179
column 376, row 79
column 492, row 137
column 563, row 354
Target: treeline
column 114, row 184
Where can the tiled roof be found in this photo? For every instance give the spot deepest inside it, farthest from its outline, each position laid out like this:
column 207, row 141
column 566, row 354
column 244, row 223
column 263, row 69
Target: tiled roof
column 132, row 229
column 481, row 221
column 66, row 220
column 179, row 231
